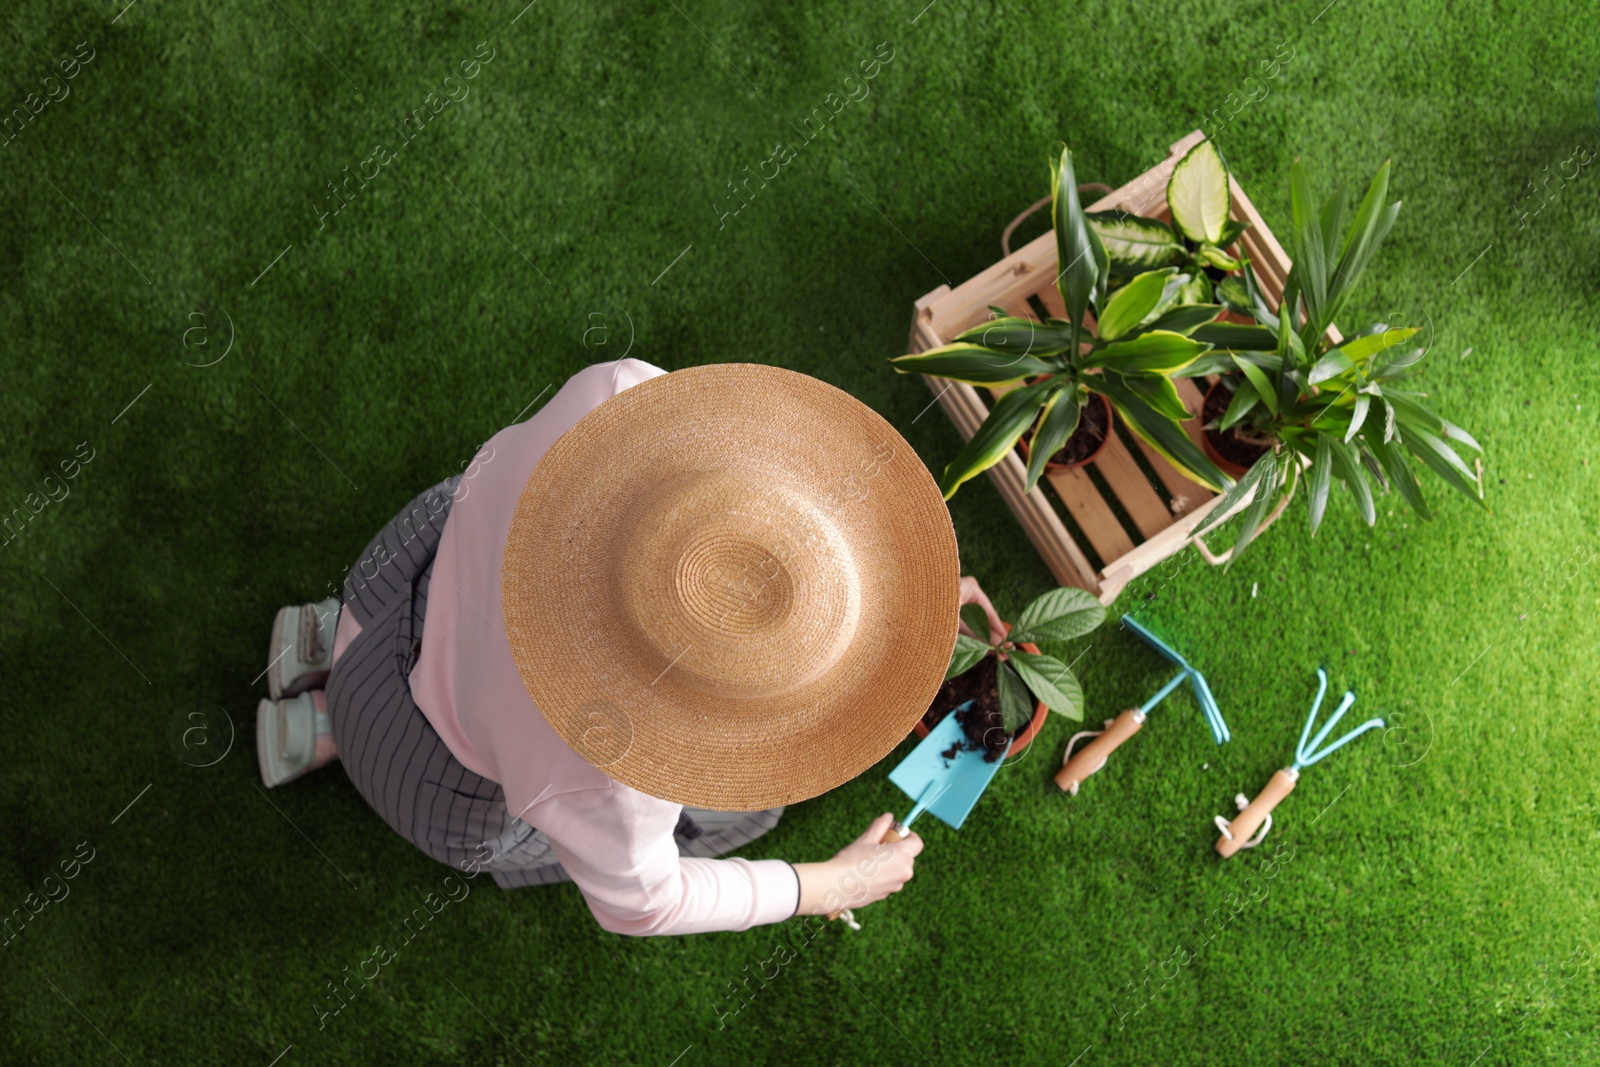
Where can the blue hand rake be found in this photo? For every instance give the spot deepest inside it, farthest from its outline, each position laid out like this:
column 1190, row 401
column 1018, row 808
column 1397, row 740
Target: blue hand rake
column 1075, row 768
column 1257, row 813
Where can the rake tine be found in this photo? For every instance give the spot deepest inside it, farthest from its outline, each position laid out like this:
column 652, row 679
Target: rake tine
column 1316, row 706
column 1208, row 704
column 1322, row 735
column 1202, row 691
column 1370, row 724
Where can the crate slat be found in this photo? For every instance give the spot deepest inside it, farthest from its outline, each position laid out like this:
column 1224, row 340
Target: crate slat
column 1050, row 297
column 1186, row 494
column 1095, row 517
column 1164, row 544
column 1137, row 496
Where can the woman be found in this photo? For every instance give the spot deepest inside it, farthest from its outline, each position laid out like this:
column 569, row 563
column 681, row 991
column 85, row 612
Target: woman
column 640, row 624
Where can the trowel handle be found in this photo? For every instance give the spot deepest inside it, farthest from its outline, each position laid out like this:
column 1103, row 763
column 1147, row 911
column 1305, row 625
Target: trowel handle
column 1280, row 785
column 1091, row 757
column 896, row 832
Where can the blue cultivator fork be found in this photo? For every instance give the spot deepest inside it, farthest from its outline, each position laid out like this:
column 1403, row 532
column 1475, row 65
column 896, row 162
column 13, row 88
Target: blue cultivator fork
column 1257, row 813
column 1090, row 758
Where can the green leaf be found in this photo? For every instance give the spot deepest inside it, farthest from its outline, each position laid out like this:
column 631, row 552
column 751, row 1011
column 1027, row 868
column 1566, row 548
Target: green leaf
column 1022, row 336
column 1016, row 706
column 1006, row 422
column 1232, row 292
column 1411, row 415
column 974, row 365
column 1216, row 361
column 1134, row 243
column 1077, row 248
column 1056, row 423
column 1331, row 365
column 1395, row 362
column 1236, row 493
column 1059, row 615
column 1245, row 398
column 1360, row 350
column 1371, row 223
column 1213, row 362
column 1311, row 258
column 967, row 653
column 1456, row 433
column 1266, row 495
column 1051, row 681
column 1237, row 336
column 977, row 620
column 1197, row 290
column 1102, row 269
column 1335, row 215
column 1159, row 432
column 1212, row 256
column 1445, row 463
column 1232, row 230
column 1259, row 308
column 1288, row 312
column 1198, row 194
column 1358, row 415
column 1184, row 319
column 1354, row 477
column 1158, row 391
column 1400, row 474
column 1157, row 352
column 1130, row 304
column 1268, row 393
column 1321, row 479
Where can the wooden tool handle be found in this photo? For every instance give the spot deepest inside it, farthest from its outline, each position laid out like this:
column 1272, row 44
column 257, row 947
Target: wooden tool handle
column 895, row 832
column 1280, row 785
column 1092, row 757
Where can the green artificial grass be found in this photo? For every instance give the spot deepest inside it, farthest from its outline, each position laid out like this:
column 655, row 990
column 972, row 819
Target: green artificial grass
column 1426, row 896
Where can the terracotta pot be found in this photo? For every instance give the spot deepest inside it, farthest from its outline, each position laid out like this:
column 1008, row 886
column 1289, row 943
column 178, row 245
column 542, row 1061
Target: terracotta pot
column 1024, row 736
column 1209, row 437
column 1052, row 465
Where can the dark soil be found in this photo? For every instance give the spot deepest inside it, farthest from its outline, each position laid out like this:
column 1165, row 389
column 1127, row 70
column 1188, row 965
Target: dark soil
column 982, row 724
column 1228, row 445
column 1093, row 425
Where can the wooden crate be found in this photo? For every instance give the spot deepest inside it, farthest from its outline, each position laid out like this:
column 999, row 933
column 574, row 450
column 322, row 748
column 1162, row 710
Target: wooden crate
column 1162, row 511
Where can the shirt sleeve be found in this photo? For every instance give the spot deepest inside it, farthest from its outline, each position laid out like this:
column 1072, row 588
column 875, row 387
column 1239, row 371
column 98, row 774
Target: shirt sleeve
column 617, row 845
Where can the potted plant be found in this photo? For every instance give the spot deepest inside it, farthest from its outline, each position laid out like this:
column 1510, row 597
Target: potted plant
column 1292, row 403
column 1199, row 241
column 1012, row 685
column 1087, row 441
column 1138, row 336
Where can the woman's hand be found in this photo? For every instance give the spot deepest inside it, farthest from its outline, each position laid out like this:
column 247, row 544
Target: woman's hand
column 864, row 871
column 972, row 593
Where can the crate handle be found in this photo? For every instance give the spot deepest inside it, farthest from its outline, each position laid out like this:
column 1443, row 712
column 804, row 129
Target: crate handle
column 1005, row 238
column 1217, row 561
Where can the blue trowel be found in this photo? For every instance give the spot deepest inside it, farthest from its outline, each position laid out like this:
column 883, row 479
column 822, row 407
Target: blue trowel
column 944, row 787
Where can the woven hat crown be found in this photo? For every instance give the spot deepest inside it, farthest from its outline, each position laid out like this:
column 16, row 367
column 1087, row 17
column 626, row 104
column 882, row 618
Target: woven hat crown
column 732, row 586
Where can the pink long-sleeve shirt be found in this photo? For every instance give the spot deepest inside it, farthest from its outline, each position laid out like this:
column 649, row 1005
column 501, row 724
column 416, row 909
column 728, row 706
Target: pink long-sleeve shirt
column 614, row 841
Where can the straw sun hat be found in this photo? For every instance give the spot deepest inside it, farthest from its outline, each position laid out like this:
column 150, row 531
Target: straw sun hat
column 732, row 586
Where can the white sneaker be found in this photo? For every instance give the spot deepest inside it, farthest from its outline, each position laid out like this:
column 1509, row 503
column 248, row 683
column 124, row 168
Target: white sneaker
column 286, row 737
column 302, row 648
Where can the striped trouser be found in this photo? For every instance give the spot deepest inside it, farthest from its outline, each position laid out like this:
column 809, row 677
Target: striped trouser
column 397, row 760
